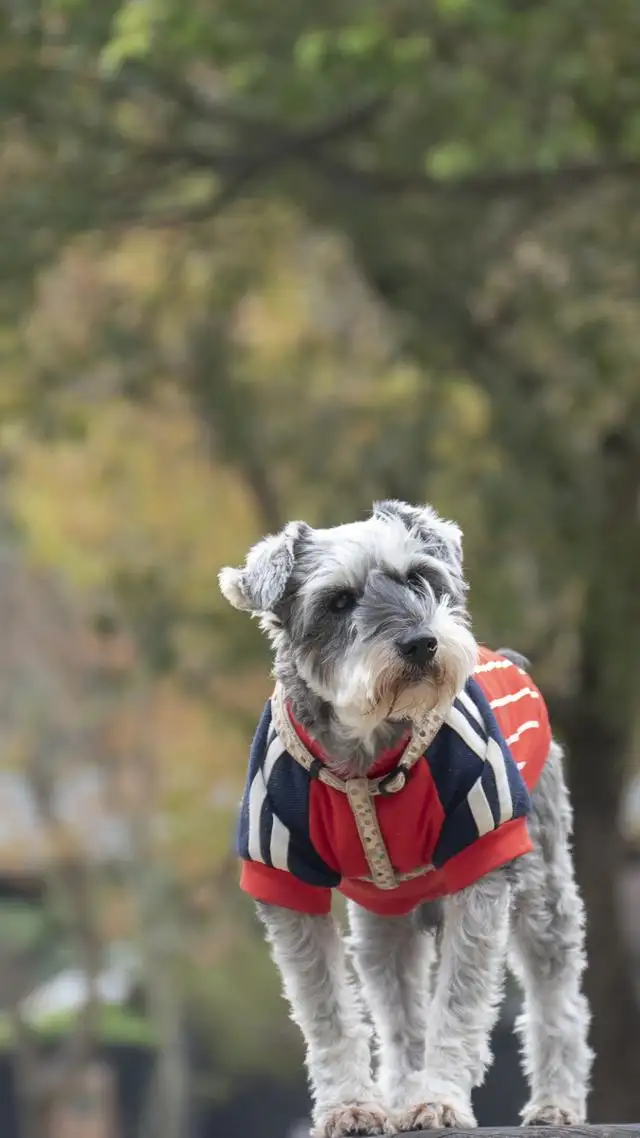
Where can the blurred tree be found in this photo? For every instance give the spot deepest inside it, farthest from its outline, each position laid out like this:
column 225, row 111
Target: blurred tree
column 471, row 334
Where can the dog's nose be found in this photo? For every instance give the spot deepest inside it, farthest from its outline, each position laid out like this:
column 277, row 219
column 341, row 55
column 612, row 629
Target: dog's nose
column 418, row 650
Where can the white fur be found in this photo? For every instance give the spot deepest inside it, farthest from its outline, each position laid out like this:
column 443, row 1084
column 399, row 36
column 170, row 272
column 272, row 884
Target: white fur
column 368, row 669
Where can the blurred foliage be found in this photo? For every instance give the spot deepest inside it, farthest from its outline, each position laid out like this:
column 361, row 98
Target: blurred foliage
column 115, row 1026
column 266, row 262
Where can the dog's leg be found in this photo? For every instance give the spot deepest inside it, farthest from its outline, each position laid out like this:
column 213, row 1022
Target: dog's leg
column 393, row 957
column 309, row 953
column 548, row 957
column 464, row 1008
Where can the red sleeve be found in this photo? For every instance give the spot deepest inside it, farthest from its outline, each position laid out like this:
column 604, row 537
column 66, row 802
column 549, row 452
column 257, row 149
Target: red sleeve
column 489, row 852
column 277, row 887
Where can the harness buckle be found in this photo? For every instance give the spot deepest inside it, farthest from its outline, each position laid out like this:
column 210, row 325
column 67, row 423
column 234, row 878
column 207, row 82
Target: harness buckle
column 393, row 782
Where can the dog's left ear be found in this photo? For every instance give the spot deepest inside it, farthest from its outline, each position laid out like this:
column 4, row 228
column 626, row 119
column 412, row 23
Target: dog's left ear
column 262, row 581
column 444, row 538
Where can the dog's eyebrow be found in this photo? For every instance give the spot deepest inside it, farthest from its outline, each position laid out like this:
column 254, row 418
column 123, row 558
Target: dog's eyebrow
column 429, row 566
column 433, row 569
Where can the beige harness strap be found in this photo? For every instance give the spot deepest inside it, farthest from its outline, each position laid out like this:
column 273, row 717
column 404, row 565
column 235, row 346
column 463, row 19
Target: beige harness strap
column 366, row 819
column 419, row 871
column 361, row 791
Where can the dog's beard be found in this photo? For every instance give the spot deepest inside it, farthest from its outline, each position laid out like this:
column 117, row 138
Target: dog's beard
column 373, row 685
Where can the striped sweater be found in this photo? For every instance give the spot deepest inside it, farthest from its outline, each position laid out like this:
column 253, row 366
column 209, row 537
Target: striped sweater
column 461, row 814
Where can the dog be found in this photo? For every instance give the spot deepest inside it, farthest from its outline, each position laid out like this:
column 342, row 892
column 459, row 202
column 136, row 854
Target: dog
column 414, row 771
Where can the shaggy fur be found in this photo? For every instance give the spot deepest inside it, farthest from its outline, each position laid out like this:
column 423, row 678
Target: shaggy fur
column 345, row 609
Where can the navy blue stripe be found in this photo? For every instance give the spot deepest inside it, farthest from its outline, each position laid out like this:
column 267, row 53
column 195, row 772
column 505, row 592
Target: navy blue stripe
column 479, row 728
column 458, row 832
column 242, row 828
column 256, row 758
column 454, row 767
column 288, row 797
column 491, row 790
column 289, row 791
column 455, row 770
column 519, row 791
column 266, row 826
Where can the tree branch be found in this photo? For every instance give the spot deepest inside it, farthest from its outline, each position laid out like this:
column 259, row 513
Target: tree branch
column 375, row 183
column 295, row 145
column 262, row 145
column 490, row 183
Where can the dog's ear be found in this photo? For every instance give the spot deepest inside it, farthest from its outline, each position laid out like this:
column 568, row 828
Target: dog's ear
column 260, row 584
column 443, row 538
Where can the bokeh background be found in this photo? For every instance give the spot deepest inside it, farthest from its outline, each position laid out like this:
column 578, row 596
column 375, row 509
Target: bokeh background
column 262, row 261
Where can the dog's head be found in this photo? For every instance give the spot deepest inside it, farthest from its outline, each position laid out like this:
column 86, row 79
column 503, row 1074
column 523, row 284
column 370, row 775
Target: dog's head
column 371, row 615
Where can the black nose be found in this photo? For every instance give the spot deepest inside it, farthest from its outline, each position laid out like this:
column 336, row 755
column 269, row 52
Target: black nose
column 418, row 650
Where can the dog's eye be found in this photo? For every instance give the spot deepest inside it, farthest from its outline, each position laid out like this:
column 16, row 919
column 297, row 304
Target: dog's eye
column 342, row 601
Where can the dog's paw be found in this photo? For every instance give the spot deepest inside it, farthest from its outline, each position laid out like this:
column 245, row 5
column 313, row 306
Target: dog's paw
column 545, row 1114
column 353, row 1119
column 437, row 1114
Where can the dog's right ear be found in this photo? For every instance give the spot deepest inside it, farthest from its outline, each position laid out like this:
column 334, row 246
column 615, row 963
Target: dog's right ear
column 261, row 583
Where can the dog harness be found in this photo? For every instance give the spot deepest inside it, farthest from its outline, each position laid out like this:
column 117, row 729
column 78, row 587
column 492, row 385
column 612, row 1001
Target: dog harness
column 440, row 810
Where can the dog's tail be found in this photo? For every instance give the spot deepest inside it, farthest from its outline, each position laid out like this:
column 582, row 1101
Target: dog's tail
column 516, row 658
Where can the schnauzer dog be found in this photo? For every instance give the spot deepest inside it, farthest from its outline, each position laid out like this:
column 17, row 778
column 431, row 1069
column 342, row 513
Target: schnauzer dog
column 413, row 771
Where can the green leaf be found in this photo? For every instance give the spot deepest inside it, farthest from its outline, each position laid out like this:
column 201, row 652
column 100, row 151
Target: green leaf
column 412, row 49
column 311, row 49
column 359, row 40
column 133, row 32
column 449, row 159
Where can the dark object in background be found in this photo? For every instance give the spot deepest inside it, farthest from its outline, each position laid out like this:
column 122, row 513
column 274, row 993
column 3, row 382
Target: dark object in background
column 265, row 1106
column 131, row 1066
column 499, row 1101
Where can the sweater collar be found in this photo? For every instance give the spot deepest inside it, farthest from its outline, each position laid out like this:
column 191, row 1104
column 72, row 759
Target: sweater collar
column 386, row 761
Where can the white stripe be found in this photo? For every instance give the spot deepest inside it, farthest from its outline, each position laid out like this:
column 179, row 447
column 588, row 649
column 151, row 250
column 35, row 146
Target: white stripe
column 491, row 665
column 463, row 728
column 257, row 795
column 274, row 751
column 521, row 765
column 521, row 730
column 479, row 807
column 514, row 697
column 467, row 702
column 279, row 847
column 496, row 758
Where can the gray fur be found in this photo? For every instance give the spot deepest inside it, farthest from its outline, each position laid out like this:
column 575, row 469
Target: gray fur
column 516, row 658
column 260, row 585
column 547, row 955
column 431, row 981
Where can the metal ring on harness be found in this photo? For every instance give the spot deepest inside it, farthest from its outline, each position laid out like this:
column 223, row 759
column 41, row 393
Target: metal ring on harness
column 399, row 777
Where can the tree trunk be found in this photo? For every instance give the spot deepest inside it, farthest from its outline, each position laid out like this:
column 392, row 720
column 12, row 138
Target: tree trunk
column 596, row 756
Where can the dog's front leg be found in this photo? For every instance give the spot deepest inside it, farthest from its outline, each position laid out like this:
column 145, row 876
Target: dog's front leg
column 464, row 1007
column 394, row 957
column 310, row 956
